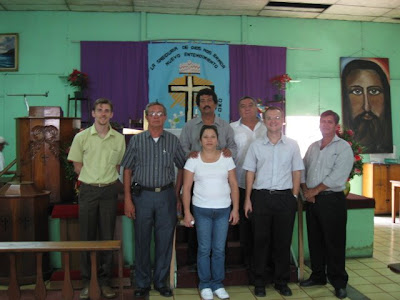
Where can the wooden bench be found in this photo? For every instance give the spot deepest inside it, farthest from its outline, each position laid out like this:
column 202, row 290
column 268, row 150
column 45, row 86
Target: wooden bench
column 65, row 247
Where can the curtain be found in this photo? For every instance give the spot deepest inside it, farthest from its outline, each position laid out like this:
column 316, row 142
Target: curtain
column 119, row 71
column 251, row 68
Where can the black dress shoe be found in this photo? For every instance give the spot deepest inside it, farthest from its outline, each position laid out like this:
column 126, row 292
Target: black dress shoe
column 311, row 282
column 164, row 291
column 259, row 291
column 283, row 289
column 141, row 292
column 341, row 293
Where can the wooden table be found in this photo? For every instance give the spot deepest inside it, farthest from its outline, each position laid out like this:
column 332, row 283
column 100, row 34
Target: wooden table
column 395, row 184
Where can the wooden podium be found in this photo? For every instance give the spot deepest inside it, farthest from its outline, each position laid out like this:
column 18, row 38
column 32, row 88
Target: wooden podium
column 23, row 217
column 39, row 138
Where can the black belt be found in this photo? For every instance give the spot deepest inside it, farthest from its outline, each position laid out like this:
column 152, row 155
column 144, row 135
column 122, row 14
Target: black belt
column 326, row 193
column 277, row 192
column 158, row 189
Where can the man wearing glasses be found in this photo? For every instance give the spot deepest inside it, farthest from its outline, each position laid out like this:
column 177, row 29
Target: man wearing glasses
column 151, row 198
column 273, row 165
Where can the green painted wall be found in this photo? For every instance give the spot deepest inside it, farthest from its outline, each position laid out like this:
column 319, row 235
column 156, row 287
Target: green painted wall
column 49, row 50
column 359, row 239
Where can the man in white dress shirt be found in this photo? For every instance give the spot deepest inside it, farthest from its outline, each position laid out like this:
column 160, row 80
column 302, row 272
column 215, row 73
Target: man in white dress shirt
column 247, row 129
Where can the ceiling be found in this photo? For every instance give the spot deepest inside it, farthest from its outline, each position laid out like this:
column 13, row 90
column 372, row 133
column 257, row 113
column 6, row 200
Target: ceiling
column 351, row 10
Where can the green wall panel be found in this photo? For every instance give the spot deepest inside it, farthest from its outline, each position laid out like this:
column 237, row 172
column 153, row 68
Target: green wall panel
column 50, row 49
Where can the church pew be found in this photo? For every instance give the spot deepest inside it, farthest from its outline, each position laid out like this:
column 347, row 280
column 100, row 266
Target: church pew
column 12, row 248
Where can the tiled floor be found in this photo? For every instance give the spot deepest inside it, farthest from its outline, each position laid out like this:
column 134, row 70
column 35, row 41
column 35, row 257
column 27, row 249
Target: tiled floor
column 369, row 278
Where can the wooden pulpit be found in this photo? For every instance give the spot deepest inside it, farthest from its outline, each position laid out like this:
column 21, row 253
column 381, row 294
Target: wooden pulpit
column 23, row 217
column 40, row 138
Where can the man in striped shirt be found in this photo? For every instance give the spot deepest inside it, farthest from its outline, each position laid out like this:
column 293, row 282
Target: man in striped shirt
column 151, row 199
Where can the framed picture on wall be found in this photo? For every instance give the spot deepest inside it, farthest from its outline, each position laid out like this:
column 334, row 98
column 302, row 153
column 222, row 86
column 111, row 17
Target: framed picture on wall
column 8, row 52
column 366, row 103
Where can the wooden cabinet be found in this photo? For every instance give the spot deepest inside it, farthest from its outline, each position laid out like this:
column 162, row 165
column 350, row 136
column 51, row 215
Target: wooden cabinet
column 376, row 184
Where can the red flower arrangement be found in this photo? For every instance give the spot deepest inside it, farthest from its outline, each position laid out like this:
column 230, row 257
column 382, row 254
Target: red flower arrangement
column 348, row 136
column 280, row 81
column 78, row 78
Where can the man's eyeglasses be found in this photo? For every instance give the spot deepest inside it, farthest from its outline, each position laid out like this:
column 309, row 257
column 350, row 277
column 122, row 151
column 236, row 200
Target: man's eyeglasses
column 274, row 118
column 155, row 113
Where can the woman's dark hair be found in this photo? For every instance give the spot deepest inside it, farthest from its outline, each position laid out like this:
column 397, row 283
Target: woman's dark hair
column 205, row 127
column 208, row 92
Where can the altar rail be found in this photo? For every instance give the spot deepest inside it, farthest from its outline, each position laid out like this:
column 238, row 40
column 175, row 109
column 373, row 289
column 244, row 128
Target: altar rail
column 12, row 248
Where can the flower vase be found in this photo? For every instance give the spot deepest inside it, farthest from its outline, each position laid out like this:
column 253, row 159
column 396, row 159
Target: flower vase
column 346, row 190
column 278, row 97
column 78, row 94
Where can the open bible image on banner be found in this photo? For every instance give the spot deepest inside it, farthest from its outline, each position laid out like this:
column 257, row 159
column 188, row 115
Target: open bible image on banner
column 366, row 103
column 177, row 71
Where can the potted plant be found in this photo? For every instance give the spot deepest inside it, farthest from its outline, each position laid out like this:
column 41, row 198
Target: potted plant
column 348, row 136
column 80, row 80
column 280, row 82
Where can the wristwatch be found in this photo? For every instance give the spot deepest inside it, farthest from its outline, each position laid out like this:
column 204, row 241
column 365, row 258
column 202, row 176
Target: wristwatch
column 296, row 196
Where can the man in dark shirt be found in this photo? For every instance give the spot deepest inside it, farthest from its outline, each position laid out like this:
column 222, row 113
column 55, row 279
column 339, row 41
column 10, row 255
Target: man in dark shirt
column 149, row 165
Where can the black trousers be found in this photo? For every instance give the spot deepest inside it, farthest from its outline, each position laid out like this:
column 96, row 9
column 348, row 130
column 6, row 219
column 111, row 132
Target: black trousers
column 245, row 232
column 97, row 214
column 272, row 224
column 326, row 227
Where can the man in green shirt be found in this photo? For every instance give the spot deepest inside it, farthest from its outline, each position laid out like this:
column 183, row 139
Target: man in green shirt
column 97, row 153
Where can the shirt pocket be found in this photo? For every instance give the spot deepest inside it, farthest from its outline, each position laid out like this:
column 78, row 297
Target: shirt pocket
column 114, row 158
column 240, row 139
column 330, row 163
column 167, row 158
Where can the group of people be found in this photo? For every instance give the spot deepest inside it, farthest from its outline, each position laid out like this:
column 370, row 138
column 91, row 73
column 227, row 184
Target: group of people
column 246, row 172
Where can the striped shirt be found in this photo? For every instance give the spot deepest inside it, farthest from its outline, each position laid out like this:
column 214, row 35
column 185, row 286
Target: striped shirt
column 152, row 163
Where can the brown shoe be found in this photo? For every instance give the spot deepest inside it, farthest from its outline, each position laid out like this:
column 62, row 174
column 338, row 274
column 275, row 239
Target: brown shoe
column 107, row 292
column 84, row 294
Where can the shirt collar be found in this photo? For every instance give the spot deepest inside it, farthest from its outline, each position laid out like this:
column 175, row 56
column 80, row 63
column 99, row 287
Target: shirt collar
column 148, row 135
column 283, row 139
column 239, row 123
column 217, row 120
column 94, row 131
column 334, row 140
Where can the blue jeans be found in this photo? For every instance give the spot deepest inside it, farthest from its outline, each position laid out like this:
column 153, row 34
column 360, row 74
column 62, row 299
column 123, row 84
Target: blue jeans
column 212, row 228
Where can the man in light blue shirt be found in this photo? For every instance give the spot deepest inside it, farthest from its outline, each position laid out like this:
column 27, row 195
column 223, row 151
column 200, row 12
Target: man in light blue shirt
column 273, row 166
column 328, row 163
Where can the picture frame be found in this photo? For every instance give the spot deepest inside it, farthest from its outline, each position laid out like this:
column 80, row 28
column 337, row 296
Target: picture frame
column 9, row 52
